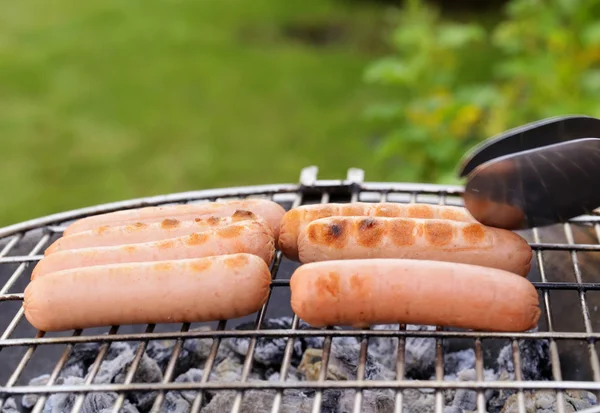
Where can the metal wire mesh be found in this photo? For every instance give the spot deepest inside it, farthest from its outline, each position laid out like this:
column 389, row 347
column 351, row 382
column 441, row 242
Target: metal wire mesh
column 565, row 272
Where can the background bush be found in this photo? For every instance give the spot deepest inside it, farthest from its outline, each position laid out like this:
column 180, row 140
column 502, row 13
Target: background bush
column 455, row 83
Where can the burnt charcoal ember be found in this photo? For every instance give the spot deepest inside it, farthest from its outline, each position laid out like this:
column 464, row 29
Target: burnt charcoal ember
column 10, row 406
column 181, row 401
column 458, row 361
column 194, row 353
column 535, row 360
column 374, row 401
column 29, row 400
column 293, row 375
column 114, row 370
column 346, row 353
column 270, row 351
column 416, row 401
column 419, row 352
column 93, row 402
column 254, row 401
column 343, row 363
column 544, row 401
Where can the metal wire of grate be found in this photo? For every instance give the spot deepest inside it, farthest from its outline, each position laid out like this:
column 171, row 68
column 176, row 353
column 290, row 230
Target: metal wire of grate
column 565, row 271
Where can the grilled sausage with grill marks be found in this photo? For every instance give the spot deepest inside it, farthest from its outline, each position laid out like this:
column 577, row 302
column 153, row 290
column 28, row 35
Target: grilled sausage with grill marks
column 270, row 211
column 367, row 292
column 242, row 237
column 294, row 221
column 339, row 238
column 139, row 232
column 179, row 291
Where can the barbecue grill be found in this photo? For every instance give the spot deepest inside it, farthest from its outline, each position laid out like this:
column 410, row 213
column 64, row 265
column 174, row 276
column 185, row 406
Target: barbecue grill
column 555, row 367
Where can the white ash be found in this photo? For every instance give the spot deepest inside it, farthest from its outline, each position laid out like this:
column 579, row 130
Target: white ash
column 93, row 402
column 193, row 354
column 116, row 365
column 270, row 351
column 458, row 361
column 10, row 406
column 536, row 363
column 420, row 361
column 544, row 401
column 181, row 401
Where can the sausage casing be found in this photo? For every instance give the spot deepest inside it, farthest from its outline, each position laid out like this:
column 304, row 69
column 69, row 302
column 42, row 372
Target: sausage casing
column 241, row 237
column 294, row 221
column 367, row 292
column 136, row 233
column 338, row 238
column 270, row 211
column 179, row 291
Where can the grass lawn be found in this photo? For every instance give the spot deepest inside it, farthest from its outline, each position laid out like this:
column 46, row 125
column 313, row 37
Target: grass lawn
column 108, row 100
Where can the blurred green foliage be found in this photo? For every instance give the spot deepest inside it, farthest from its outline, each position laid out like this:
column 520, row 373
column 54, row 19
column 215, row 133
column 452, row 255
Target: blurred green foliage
column 456, row 83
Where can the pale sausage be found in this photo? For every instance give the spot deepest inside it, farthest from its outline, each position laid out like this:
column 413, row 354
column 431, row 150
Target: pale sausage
column 242, row 237
column 297, row 218
column 339, row 238
column 270, row 211
column 105, row 236
column 367, row 292
column 181, row 291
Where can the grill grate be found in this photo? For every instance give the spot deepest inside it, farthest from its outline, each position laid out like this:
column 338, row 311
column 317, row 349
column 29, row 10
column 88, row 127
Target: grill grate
column 565, row 272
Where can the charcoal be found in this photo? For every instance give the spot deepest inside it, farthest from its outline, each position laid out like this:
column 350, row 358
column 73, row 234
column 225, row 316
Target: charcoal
column 416, row 401
column 458, row 361
column 193, row 354
column 466, row 399
column 343, row 363
column 385, row 349
column 181, row 401
column 255, row 401
column 293, row 375
column 174, row 403
column 10, row 406
column 544, row 401
column 374, row 401
column 93, row 402
column 29, row 400
column 115, row 368
column 535, row 360
column 269, row 351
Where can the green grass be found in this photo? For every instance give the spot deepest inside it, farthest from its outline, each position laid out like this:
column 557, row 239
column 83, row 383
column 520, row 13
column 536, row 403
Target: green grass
column 109, row 100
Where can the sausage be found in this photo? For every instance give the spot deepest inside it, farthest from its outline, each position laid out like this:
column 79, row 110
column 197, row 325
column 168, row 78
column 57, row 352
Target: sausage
column 339, row 238
column 297, row 218
column 367, row 292
column 180, row 291
column 270, row 211
column 243, row 237
column 139, row 232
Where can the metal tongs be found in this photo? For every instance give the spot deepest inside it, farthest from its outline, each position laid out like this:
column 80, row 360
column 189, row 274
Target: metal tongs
column 539, row 174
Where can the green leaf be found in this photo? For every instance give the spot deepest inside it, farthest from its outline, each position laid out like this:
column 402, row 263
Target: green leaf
column 590, row 81
column 389, row 71
column 590, row 35
column 384, row 111
column 459, row 35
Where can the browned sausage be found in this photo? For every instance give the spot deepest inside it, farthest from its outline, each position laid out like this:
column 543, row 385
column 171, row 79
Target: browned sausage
column 106, row 236
column 337, row 238
column 250, row 237
column 270, row 211
column 296, row 219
